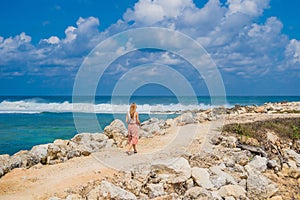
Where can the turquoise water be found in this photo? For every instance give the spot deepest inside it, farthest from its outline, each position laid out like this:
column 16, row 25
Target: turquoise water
column 28, row 121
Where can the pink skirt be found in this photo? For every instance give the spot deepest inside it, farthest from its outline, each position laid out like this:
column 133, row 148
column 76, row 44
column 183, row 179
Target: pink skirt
column 133, row 134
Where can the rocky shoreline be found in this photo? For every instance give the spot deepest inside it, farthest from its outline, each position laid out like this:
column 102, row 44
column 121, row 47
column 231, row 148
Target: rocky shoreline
column 238, row 167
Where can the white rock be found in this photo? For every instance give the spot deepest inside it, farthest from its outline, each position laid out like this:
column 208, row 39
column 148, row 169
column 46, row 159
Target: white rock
column 259, row 163
column 220, row 178
column 117, row 131
column 4, row 164
column 109, row 190
column 156, row 190
column 189, row 183
column 110, row 143
column 259, row 186
column 54, row 198
column 236, row 191
column 201, row 177
column 216, row 196
column 197, row 193
column 173, row 170
column 229, row 142
column 150, row 127
column 74, row 197
column 185, row 118
column 289, row 153
column 40, row 151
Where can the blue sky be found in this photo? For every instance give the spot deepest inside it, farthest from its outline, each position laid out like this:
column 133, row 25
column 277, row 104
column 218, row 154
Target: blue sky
column 254, row 43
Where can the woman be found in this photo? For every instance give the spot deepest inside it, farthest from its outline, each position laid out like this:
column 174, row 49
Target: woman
column 132, row 119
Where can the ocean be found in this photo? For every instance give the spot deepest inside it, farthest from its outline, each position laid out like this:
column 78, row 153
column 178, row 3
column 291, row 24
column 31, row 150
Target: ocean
column 26, row 121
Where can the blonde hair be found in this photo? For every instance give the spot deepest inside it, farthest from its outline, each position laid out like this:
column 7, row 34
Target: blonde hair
column 132, row 110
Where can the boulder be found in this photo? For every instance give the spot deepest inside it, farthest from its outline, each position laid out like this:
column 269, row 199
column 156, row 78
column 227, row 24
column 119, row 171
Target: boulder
column 259, row 186
column 259, row 163
column 201, row 117
column 236, row 191
column 229, row 142
column 89, row 142
column 107, row 190
column 156, row 190
column 197, row 193
column 185, row 118
column 220, row 178
column 152, row 127
column 20, row 159
column 172, row 171
column 201, row 177
column 4, row 164
column 117, row 131
column 291, row 154
column 40, row 152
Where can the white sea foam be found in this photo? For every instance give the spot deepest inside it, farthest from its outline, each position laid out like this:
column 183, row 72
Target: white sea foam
column 31, row 107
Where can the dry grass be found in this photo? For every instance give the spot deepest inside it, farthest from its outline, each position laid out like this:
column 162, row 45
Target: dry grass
column 285, row 128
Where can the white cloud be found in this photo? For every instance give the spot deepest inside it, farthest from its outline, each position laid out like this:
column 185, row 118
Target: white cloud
column 247, row 7
column 52, row 40
column 293, row 52
column 230, row 33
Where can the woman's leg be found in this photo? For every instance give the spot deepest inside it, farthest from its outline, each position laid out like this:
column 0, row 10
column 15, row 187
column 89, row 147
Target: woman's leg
column 134, row 148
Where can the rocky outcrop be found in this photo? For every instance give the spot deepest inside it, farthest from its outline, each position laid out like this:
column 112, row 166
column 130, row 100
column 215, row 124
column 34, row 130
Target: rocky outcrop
column 172, row 171
column 117, row 131
column 259, row 186
column 152, row 127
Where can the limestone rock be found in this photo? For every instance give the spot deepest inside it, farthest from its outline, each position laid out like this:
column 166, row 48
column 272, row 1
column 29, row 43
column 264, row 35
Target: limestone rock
column 259, row 163
column 220, row 178
column 4, row 164
column 289, row 153
column 173, row 170
column 229, row 142
column 40, row 152
column 89, row 142
column 117, row 131
column 185, row 118
column 259, row 186
column 236, row 191
column 189, row 183
column 151, row 127
column 197, row 193
column 108, row 190
column 201, row 177
column 156, row 190
column 74, row 197
column 201, row 117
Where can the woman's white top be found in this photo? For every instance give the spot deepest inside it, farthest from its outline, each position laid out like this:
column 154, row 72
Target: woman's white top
column 131, row 121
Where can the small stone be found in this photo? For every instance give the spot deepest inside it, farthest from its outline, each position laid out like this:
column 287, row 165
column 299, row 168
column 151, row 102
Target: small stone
column 197, row 193
column 201, row 177
column 272, row 164
column 156, row 190
column 189, row 183
column 229, row 198
column 232, row 190
column 259, row 163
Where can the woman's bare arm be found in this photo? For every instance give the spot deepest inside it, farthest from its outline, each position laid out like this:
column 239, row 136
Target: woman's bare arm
column 137, row 118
